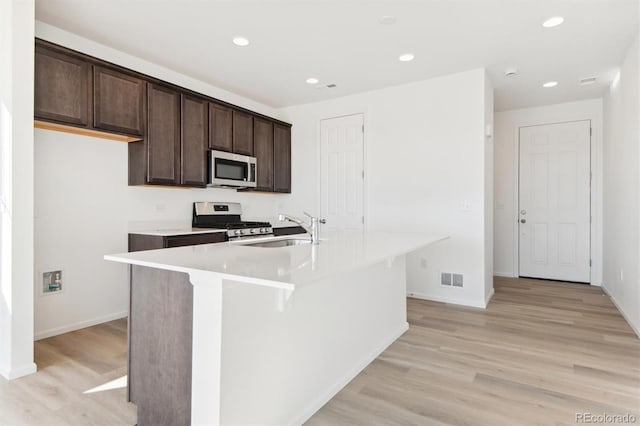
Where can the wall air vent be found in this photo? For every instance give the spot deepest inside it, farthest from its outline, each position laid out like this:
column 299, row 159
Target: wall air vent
column 445, row 278
column 457, row 280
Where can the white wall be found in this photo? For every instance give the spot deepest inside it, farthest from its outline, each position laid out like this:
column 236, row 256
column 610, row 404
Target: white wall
column 507, row 124
column 424, row 158
column 84, row 208
column 621, row 252
column 16, row 202
column 488, row 189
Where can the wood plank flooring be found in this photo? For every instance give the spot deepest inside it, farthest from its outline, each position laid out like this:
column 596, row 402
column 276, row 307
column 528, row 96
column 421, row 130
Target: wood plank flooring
column 540, row 353
column 69, row 365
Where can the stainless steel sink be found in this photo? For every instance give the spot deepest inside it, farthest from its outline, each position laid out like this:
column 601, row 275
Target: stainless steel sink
column 279, row 243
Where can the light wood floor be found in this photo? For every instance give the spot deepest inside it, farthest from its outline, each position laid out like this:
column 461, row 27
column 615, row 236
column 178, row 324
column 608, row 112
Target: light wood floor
column 69, row 365
column 539, row 354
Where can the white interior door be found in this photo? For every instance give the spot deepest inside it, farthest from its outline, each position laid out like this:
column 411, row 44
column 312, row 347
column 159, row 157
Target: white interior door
column 341, row 171
column 555, row 191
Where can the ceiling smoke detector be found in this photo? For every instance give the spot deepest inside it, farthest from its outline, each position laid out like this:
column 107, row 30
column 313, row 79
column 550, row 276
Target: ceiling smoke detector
column 510, row 72
column 587, row 81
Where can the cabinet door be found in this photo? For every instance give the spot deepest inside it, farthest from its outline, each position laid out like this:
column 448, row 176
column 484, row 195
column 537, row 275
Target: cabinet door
column 61, row 90
column 220, row 128
column 163, row 135
column 281, row 158
column 193, row 141
column 242, row 133
column 118, row 102
column 263, row 150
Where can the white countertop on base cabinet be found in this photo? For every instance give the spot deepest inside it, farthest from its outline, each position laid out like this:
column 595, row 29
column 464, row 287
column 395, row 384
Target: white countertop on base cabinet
column 283, row 267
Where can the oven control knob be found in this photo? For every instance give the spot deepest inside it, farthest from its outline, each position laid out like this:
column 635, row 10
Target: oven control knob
column 253, row 230
column 238, row 232
column 264, row 230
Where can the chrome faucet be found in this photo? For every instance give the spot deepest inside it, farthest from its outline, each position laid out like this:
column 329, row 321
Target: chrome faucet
column 311, row 228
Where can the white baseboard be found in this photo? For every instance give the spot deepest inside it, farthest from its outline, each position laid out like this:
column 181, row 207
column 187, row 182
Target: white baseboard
column 43, row 334
column 488, row 297
column 14, row 373
column 341, row 383
column 627, row 318
column 505, row 274
column 473, row 304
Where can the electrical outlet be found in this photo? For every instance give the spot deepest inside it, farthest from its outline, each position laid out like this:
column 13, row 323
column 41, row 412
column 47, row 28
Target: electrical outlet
column 466, row 206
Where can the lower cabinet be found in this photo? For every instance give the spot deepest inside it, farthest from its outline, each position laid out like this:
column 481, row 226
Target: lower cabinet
column 140, row 242
column 289, row 230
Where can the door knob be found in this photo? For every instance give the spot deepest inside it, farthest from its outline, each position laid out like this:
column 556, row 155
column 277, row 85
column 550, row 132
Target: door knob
column 523, row 220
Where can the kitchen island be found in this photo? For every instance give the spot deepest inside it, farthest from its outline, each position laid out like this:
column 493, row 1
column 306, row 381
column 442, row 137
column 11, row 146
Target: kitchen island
column 238, row 333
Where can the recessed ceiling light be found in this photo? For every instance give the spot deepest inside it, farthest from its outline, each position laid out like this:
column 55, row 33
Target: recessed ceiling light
column 240, row 41
column 387, row 20
column 553, row 22
column 406, row 57
column 312, row 80
column 550, row 84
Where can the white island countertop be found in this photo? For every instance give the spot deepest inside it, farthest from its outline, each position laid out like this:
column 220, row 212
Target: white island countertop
column 283, row 267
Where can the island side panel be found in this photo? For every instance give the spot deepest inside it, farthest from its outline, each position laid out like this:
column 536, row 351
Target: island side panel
column 160, row 347
column 284, row 355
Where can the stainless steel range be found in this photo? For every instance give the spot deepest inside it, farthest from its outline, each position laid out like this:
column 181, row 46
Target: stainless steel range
column 227, row 216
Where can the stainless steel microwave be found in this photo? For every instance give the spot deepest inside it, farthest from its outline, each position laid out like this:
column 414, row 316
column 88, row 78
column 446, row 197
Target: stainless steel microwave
column 229, row 170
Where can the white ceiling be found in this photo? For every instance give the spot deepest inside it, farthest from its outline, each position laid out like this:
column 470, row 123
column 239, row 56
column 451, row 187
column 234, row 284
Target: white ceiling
column 342, row 42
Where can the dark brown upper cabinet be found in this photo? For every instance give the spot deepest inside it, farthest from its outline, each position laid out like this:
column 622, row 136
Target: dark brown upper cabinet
column 163, row 135
column 194, row 141
column 61, row 87
column 281, row 158
column 242, row 133
column 220, row 127
column 170, row 127
column 118, row 102
column 263, row 151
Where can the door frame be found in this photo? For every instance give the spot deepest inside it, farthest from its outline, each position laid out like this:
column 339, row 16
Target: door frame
column 595, row 246
column 364, row 164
